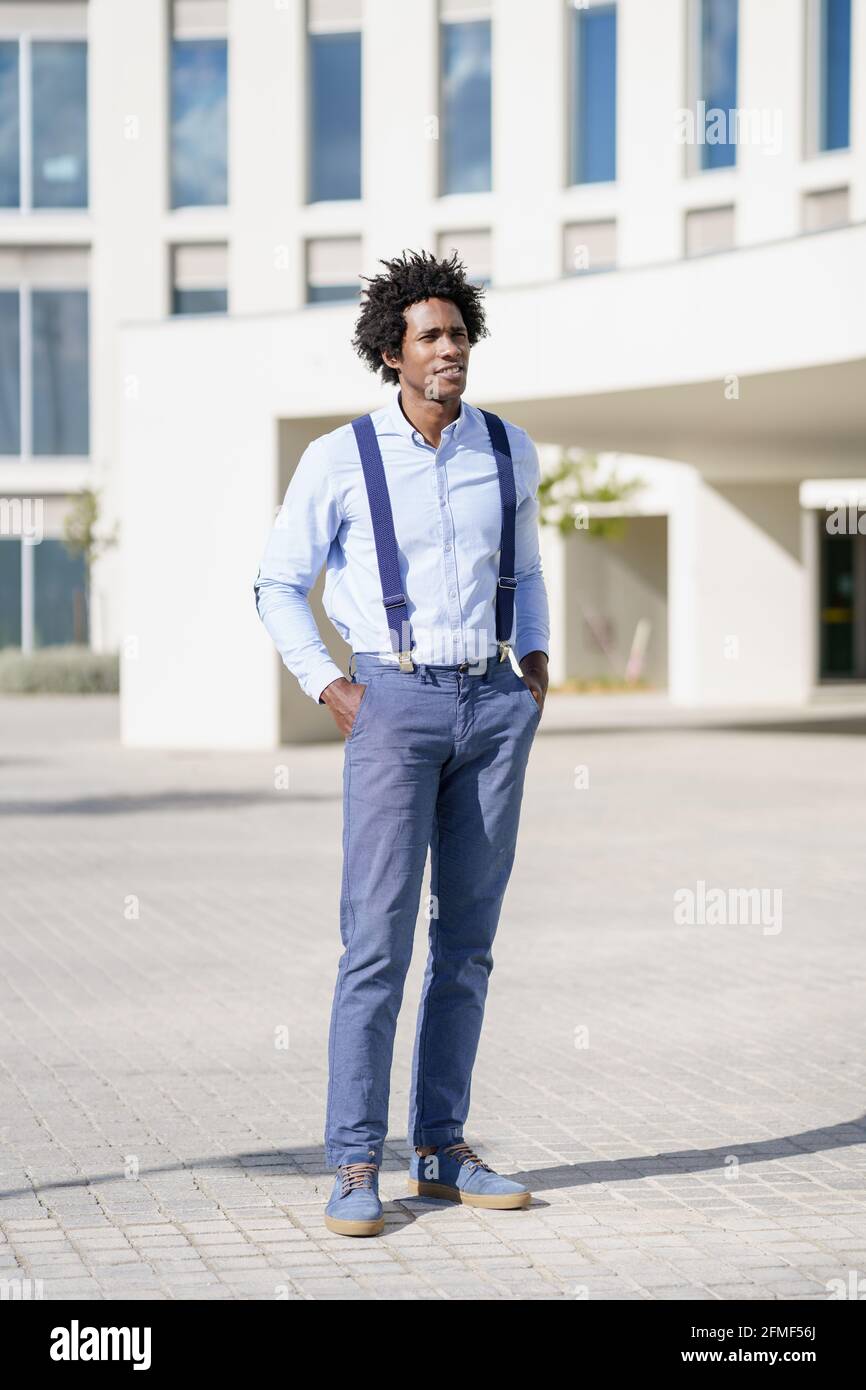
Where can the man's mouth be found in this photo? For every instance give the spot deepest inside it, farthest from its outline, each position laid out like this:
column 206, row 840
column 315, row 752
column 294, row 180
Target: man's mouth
column 450, row 371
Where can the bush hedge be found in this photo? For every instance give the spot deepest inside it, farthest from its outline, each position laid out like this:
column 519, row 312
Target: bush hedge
column 64, row 670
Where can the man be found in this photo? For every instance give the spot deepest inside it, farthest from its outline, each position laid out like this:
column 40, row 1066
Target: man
column 425, row 513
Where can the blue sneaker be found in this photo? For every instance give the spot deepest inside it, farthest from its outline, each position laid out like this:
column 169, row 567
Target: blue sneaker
column 354, row 1208
column 457, row 1174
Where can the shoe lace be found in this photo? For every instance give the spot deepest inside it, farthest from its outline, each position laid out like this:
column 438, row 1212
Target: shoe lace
column 464, row 1154
column 356, row 1175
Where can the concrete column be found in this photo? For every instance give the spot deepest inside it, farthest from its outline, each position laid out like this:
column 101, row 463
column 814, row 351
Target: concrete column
column 771, row 96
column 267, row 154
column 651, row 79
column 858, row 111
column 739, row 587
column 128, row 98
column 528, row 139
column 399, row 119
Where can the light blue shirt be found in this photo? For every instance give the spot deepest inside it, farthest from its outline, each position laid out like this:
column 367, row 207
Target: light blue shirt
column 447, row 520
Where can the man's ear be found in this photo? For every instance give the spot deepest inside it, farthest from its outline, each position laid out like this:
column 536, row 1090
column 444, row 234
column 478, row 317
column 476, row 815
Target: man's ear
column 395, row 361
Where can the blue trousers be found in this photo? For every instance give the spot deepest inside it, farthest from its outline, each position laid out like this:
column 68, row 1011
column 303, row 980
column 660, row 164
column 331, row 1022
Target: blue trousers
column 436, row 758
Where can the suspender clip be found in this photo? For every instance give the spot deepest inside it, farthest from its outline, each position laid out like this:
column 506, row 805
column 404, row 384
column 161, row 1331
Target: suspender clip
column 504, row 649
column 406, row 662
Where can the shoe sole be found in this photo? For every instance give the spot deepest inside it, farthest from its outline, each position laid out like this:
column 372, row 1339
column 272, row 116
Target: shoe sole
column 501, row 1201
column 355, row 1228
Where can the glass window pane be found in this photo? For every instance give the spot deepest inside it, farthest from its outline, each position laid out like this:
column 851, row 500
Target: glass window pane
column 321, row 294
column 835, row 74
column 10, row 131
column 335, row 116
column 199, row 301
column 465, row 138
column 594, row 79
column 59, row 75
column 199, row 133
column 59, row 605
column 10, row 592
column 719, row 80
column 60, row 372
column 10, row 373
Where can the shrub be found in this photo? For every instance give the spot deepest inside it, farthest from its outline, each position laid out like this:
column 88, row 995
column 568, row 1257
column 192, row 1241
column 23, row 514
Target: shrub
column 64, row 670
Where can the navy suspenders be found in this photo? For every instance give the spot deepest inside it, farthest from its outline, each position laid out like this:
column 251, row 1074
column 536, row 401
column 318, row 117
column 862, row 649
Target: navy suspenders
column 393, row 598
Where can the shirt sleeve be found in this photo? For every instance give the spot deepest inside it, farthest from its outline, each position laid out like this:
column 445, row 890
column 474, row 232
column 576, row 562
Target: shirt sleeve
column 530, row 599
column 297, row 548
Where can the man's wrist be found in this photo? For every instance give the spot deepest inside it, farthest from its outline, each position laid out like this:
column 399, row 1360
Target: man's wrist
column 534, row 664
column 330, row 690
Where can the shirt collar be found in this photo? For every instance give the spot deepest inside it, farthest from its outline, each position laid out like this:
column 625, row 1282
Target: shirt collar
column 407, row 429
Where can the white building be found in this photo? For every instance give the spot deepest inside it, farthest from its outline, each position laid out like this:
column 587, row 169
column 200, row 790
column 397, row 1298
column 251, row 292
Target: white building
column 667, row 199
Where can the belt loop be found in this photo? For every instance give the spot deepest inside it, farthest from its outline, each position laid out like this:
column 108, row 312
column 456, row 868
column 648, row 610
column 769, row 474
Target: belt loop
column 351, row 666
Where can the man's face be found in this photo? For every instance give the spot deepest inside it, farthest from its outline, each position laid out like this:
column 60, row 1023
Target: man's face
column 435, row 353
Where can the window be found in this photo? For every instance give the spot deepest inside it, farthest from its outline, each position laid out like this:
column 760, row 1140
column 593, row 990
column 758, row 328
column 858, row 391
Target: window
column 334, row 100
column 593, row 95
column 56, row 580
column 10, row 592
column 475, row 250
column 715, row 81
column 708, row 230
column 465, row 139
column 199, row 279
column 588, row 247
column 199, row 105
column 830, row 85
column 333, row 265
column 44, row 352
column 825, row 209
column 43, row 123
column 59, row 603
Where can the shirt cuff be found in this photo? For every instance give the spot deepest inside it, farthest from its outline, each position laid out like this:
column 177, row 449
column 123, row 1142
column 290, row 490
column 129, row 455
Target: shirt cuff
column 321, row 678
column 533, row 644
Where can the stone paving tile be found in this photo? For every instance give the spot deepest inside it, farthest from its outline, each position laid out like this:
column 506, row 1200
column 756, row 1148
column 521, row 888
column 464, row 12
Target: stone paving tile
column 684, row 1101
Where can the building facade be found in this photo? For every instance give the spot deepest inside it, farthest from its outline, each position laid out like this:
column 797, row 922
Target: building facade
column 667, row 201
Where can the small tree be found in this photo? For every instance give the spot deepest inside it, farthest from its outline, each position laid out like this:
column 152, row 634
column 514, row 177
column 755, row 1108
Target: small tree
column 81, row 534
column 563, row 493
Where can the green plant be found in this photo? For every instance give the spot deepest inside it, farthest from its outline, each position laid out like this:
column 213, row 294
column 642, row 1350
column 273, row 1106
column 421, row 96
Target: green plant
column 81, row 533
column 564, row 493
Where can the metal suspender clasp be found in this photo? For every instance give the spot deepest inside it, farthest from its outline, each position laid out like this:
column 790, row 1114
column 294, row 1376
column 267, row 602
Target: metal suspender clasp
column 506, row 581
column 395, row 601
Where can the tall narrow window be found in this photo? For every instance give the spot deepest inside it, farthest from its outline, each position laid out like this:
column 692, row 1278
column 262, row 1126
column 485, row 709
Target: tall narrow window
column 593, row 95
column 199, row 105
column 59, row 371
column 59, row 137
column 43, row 123
column 10, row 126
column 834, row 75
column 334, row 100
column 10, row 372
column 10, row 592
column 717, row 82
column 59, row 595
column 465, row 132
column 44, row 352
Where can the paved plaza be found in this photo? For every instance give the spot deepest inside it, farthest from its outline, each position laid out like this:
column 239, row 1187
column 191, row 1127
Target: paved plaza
column 682, row 1087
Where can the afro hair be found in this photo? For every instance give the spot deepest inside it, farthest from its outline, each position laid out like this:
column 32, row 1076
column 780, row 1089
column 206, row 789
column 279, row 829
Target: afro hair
column 410, row 278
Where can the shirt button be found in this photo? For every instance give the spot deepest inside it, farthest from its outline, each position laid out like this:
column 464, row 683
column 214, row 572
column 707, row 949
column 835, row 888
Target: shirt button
column 453, row 593
column 447, row 547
